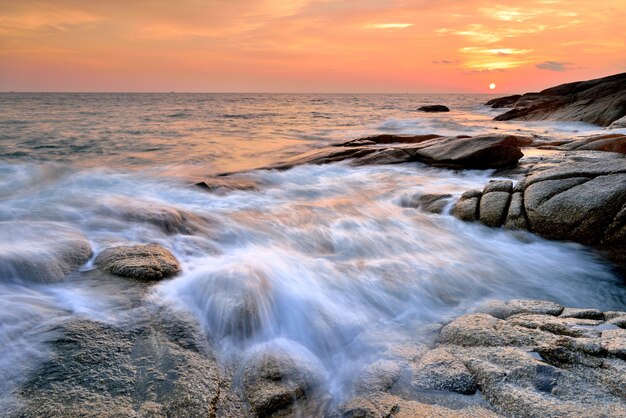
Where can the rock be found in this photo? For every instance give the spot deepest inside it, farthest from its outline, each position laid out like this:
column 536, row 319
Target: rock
column 438, row 369
column 274, row 382
column 516, row 217
column 619, row 123
column 480, row 152
column 227, row 184
column 582, row 313
column 146, row 262
column 58, row 251
column 494, row 208
column 157, row 367
column 387, row 139
column 505, row 309
column 431, row 203
column 535, row 363
column 579, row 196
column 607, row 143
column 601, row 101
column 380, row 376
column 434, row 108
column 614, row 342
column 466, row 208
column 498, row 186
column 507, row 101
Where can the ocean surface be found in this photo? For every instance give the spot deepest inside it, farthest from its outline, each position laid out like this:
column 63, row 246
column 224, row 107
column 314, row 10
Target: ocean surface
column 323, row 260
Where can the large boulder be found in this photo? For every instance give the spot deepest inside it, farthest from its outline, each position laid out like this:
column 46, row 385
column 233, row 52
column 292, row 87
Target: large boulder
column 157, row 367
column 42, row 252
column 146, row 262
column 479, row 152
column 601, row 101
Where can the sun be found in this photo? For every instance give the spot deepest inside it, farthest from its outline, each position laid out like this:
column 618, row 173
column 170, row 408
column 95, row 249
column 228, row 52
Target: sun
column 492, row 86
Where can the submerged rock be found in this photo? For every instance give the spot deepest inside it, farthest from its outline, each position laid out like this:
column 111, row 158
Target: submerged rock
column 434, row 108
column 147, row 262
column 601, row 101
column 42, row 252
column 431, row 203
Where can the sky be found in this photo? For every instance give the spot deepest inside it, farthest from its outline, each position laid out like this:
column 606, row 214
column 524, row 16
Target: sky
column 395, row 46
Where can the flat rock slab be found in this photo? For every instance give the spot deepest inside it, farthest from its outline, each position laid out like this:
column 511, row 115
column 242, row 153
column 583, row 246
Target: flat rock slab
column 479, row 152
column 148, row 262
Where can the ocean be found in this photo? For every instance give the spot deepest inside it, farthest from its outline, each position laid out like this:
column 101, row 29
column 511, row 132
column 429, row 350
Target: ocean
column 324, row 261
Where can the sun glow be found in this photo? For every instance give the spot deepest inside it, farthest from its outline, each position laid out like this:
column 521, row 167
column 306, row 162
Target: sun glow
column 492, row 86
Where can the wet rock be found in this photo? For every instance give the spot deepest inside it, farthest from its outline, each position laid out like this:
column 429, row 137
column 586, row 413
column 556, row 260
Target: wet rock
column 620, row 123
column 466, row 208
column 600, row 101
column 505, row 309
column 227, row 184
column 58, row 251
column 431, row 203
column 155, row 367
column 380, row 376
column 540, row 364
column 434, row 108
column 507, row 101
column 498, row 186
column 388, row 139
column 274, row 382
column 148, row 262
column 480, row 152
column 582, row 313
column 494, row 207
column 439, row 370
column 516, row 217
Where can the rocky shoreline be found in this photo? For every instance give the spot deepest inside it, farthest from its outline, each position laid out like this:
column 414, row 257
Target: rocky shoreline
column 507, row 358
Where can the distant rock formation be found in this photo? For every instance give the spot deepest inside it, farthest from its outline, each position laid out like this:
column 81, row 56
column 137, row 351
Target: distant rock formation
column 434, row 108
column 601, row 102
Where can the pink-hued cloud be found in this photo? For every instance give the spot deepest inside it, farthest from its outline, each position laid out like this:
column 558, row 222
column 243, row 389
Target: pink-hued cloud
column 304, row 45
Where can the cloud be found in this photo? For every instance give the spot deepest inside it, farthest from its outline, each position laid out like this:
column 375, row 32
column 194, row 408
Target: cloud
column 390, row 25
column 446, row 62
column 555, row 66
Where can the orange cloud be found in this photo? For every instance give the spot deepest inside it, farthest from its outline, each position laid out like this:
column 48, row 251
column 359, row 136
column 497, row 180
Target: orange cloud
column 306, row 45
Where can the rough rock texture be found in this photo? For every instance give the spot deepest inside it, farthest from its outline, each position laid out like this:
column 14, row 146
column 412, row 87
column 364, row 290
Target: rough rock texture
column 157, row 367
column 608, row 143
column 600, row 101
column 582, row 200
column 144, row 262
column 59, row 251
column 434, row 108
column 531, row 362
column 276, row 384
column 438, row 369
column 479, row 152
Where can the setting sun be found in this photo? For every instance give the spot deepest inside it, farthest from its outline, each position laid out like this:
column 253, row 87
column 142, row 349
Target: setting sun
column 492, row 86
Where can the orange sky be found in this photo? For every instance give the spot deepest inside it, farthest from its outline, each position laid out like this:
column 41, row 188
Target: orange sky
column 308, row 46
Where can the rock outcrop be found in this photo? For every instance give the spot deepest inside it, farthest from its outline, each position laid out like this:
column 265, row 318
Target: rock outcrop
column 537, row 359
column 601, row 101
column 582, row 201
column 620, row 123
column 434, row 108
column 506, row 101
column 479, row 152
column 147, row 262
column 59, row 250
column 608, row 143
